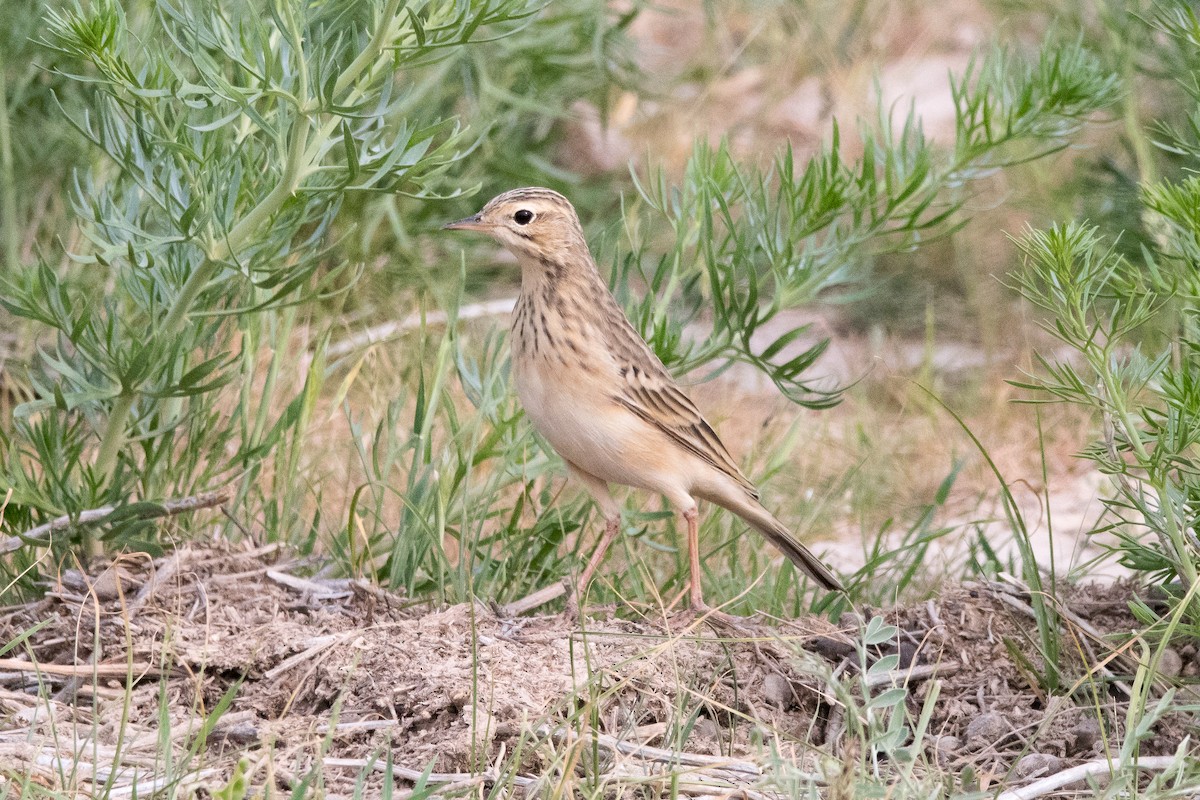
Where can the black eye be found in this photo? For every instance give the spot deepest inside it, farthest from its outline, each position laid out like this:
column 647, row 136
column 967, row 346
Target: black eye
column 523, row 217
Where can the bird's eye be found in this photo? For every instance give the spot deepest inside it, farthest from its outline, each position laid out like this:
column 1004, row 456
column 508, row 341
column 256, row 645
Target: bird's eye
column 523, row 217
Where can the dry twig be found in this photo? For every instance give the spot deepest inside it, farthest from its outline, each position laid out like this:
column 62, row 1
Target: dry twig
column 332, row 590
column 917, row 672
column 531, row 601
column 454, row 780
column 1101, row 766
column 180, row 505
column 137, row 671
column 380, row 333
column 645, row 752
column 159, row 576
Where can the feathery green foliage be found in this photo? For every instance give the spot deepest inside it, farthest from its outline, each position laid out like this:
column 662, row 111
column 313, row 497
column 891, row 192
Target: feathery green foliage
column 230, row 142
column 1146, row 395
column 749, row 243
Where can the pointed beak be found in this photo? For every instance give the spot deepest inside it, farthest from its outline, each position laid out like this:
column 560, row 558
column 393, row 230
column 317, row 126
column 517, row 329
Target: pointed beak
column 468, row 224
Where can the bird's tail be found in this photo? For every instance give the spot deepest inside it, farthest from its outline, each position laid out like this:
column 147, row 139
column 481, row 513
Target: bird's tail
column 775, row 533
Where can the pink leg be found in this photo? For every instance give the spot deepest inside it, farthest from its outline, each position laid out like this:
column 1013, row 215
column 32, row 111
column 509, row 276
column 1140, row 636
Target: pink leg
column 695, row 591
column 611, row 527
column 612, row 523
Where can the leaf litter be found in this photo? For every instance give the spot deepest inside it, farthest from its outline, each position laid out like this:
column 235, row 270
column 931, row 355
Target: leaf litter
column 235, row 661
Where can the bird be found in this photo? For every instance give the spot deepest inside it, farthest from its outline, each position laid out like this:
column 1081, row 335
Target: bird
column 602, row 399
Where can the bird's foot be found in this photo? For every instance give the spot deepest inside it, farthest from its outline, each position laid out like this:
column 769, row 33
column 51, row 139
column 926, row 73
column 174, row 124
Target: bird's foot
column 572, row 611
column 718, row 620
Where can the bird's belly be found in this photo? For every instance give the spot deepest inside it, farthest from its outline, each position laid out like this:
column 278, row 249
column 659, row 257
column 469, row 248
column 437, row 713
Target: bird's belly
column 576, row 413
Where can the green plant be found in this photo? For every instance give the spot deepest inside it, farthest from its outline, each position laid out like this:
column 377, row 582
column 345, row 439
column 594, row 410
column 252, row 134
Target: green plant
column 1147, row 402
column 36, row 150
column 231, row 141
column 1145, row 394
column 749, row 243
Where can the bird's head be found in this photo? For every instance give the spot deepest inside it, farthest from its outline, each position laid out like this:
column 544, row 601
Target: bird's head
column 536, row 225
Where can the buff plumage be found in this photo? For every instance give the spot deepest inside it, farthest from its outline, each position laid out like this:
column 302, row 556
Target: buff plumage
column 601, row 397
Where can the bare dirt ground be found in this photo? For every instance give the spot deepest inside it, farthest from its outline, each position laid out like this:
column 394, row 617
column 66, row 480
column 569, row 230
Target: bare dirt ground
column 322, row 678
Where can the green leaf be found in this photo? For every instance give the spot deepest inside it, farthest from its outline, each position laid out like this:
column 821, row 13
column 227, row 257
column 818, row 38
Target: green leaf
column 889, row 698
column 879, row 632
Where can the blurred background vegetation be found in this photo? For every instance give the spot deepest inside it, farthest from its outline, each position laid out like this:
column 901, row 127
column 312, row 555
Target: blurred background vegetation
column 222, row 271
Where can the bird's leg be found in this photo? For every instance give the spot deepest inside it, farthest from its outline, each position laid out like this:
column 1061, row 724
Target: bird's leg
column 612, row 523
column 695, row 591
column 714, row 616
column 611, row 526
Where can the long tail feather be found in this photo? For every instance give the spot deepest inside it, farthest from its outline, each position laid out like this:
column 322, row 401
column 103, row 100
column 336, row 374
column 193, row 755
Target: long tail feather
column 775, row 533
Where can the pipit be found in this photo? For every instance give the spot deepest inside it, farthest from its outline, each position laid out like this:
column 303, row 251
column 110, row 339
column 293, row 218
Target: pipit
column 601, row 397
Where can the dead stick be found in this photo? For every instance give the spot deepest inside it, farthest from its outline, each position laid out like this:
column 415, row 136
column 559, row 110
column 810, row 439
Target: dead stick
column 160, row 576
column 147, row 787
column 648, row 753
column 358, row 726
column 695, row 784
column 379, row 333
column 918, row 672
column 404, row 773
column 1099, row 767
column 539, row 598
column 167, row 508
column 78, row 670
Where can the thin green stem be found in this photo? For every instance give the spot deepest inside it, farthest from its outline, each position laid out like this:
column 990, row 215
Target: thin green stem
column 369, row 60
column 113, row 438
column 293, row 172
column 1143, row 151
column 8, row 187
column 297, row 42
column 1166, row 506
column 383, row 34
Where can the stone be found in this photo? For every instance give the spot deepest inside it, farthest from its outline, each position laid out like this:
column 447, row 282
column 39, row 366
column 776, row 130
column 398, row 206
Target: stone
column 1085, row 737
column 986, row 729
column 1037, row 765
column 777, row 690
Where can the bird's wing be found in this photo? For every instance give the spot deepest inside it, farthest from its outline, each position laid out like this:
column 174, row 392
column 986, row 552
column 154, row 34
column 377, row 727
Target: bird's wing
column 648, row 391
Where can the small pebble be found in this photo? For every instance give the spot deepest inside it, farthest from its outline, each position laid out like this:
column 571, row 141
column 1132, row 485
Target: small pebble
column 777, row 690
column 944, row 748
column 242, row 733
column 908, row 654
column 1037, row 765
column 1170, row 664
column 707, row 730
column 948, row 743
column 1191, row 667
column 1085, row 737
column 986, row 729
